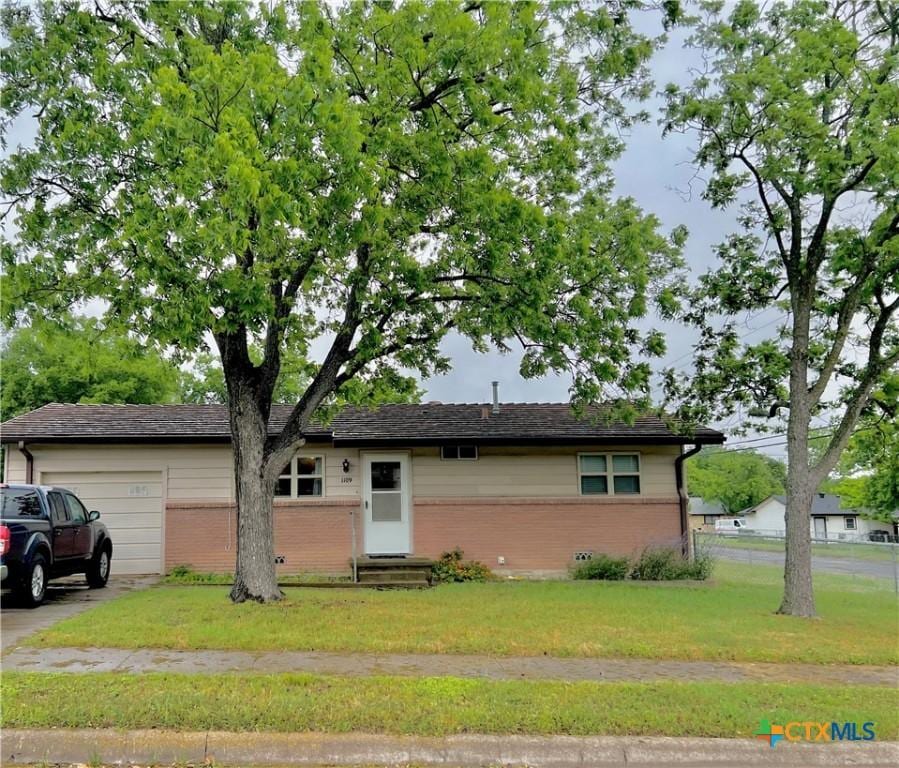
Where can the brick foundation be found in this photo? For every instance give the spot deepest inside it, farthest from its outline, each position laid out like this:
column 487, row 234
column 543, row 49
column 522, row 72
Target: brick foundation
column 532, row 534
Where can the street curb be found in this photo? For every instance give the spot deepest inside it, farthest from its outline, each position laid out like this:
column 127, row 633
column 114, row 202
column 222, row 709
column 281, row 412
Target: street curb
column 466, row 751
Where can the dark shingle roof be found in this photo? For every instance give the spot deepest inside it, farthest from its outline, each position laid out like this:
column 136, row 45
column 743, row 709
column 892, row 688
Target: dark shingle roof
column 822, row 504
column 431, row 423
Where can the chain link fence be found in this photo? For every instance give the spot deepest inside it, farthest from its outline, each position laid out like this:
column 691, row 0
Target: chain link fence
column 858, row 556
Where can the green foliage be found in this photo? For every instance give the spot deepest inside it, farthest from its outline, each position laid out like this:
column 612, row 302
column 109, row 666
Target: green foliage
column 654, row 564
column 602, row 567
column 204, row 382
column 80, row 361
column 738, row 479
column 667, row 564
column 368, row 177
column 451, row 567
column 867, row 476
column 796, row 120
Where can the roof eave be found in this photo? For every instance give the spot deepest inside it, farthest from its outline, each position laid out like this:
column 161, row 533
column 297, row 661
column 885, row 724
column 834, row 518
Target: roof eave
column 378, row 442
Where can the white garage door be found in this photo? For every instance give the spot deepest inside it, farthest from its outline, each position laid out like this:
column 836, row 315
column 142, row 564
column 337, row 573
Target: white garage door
column 130, row 504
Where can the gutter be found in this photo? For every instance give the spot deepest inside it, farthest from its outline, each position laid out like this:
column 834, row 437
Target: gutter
column 29, row 462
column 682, row 494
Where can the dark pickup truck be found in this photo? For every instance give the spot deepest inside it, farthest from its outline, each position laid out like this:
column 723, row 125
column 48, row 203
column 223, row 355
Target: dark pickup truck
column 45, row 533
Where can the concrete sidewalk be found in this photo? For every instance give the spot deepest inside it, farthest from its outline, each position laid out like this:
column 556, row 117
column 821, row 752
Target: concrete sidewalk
column 315, row 749
column 425, row 665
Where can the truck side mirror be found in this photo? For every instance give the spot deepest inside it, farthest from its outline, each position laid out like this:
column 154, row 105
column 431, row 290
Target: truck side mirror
column 93, row 515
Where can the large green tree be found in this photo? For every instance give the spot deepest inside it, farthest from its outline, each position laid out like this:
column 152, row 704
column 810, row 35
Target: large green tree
column 797, row 118
column 78, row 360
column 368, row 176
column 203, row 381
column 867, row 475
column 738, row 479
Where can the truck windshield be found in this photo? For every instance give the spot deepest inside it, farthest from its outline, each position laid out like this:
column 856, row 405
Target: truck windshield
column 19, row 502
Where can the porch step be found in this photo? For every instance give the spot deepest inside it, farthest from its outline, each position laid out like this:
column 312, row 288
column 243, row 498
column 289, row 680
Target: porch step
column 394, row 571
column 368, row 576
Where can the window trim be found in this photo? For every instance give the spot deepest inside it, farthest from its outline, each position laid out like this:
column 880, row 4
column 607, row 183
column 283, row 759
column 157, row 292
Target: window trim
column 457, row 457
column 854, row 519
column 294, row 476
column 610, row 473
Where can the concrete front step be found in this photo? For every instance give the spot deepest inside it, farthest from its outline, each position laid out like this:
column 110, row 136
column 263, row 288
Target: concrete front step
column 393, row 562
column 372, row 575
column 394, row 571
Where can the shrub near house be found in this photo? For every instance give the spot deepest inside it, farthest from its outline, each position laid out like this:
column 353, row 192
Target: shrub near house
column 653, row 564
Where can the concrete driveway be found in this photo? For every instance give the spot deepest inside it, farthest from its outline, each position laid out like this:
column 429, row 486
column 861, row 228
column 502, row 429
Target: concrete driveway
column 65, row 597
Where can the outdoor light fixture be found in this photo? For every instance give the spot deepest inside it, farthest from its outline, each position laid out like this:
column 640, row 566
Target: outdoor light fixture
column 346, row 465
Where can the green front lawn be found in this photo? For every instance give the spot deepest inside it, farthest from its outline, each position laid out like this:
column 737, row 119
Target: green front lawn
column 428, row 706
column 729, row 618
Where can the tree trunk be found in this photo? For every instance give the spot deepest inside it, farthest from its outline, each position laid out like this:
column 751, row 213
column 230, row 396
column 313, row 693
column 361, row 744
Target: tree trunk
column 255, row 576
column 799, row 597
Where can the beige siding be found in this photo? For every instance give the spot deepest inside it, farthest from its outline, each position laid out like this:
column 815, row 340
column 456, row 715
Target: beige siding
column 14, row 467
column 532, row 472
column 204, row 472
column 193, row 471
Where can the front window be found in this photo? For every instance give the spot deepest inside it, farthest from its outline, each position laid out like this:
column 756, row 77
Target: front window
column 609, row 473
column 302, row 477
column 850, row 523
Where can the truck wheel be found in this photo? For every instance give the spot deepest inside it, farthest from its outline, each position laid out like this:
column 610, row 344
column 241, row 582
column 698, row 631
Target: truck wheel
column 98, row 569
column 34, row 584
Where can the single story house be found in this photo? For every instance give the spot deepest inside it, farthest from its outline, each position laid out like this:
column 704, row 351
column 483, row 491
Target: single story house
column 703, row 514
column 828, row 521
column 522, row 487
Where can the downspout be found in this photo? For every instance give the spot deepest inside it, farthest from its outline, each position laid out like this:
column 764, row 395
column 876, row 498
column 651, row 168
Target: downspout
column 29, row 462
column 682, row 494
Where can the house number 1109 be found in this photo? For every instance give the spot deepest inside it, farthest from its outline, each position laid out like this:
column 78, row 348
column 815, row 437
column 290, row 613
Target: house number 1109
column 346, row 480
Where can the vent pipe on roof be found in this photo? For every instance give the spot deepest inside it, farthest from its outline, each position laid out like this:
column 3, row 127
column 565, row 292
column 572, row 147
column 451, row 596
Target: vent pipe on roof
column 495, row 396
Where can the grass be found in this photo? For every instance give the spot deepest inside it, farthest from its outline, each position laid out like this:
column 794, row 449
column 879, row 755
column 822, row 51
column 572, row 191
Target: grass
column 185, row 577
column 876, row 552
column 729, row 618
column 428, row 706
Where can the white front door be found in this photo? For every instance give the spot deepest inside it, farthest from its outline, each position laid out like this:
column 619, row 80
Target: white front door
column 385, row 494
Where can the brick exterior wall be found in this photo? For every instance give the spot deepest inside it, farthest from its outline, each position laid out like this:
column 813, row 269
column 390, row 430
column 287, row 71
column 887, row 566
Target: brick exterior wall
column 311, row 535
column 531, row 534
column 542, row 534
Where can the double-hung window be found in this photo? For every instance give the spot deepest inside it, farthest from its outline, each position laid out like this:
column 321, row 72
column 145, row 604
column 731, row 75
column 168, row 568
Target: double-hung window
column 302, row 477
column 601, row 474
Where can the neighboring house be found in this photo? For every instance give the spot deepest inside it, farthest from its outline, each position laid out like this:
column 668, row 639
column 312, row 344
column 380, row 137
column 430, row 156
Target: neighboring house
column 522, row 487
column 703, row 514
column 828, row 520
